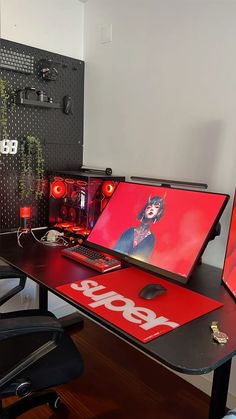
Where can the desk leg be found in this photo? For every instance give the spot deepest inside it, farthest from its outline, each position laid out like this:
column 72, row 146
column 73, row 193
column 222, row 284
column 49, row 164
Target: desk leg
column 219, row 391
column 70, row 320
column 43, row 298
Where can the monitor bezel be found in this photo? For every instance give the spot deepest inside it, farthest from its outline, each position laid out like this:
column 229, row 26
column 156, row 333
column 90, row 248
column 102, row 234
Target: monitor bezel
column 152, row 268
column 230, row 224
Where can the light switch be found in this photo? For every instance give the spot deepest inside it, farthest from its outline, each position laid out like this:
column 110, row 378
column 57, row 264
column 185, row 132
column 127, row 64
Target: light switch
column 106, row 33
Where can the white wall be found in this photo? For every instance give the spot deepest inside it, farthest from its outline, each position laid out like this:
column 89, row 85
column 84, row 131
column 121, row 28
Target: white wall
column 160, row 99
column 52, row 25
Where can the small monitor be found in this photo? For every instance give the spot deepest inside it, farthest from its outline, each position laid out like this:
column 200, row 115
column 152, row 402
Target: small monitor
column 229, row 270
column 162, row 229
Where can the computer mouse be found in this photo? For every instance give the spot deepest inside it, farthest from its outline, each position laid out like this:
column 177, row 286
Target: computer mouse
column 151, row 291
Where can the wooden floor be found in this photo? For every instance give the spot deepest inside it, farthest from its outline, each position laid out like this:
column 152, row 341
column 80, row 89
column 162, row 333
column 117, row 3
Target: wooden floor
column 121, row 383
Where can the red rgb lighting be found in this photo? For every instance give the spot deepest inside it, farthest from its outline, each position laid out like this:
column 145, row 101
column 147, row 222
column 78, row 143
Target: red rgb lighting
column 108, row 188
column 58, row 189
column 25, row 212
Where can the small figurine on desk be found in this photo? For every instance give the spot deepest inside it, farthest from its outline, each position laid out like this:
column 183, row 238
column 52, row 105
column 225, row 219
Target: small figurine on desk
column 140, row 241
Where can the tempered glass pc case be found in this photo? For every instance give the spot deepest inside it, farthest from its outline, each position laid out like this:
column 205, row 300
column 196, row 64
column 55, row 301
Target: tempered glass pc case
column 77, row 199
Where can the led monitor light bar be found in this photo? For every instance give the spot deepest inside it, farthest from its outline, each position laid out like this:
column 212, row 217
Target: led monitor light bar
column 161, row 229
column 169, row 182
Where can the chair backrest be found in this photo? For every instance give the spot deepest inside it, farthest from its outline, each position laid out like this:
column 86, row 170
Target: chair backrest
column 35, row 348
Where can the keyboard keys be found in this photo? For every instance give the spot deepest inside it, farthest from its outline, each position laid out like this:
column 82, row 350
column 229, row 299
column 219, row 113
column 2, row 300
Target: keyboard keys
column 89, row 257
column 16, row 61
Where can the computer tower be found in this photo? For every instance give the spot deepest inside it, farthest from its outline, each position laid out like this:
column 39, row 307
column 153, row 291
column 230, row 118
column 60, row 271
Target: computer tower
column 77, row 199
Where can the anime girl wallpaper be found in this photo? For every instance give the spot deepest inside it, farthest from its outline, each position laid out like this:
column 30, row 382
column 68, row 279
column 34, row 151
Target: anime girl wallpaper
column 139, row 241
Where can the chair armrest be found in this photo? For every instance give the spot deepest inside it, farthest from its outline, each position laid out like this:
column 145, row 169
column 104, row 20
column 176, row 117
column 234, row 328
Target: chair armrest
column 43, row 331
column 7, row 272
column 27, row 325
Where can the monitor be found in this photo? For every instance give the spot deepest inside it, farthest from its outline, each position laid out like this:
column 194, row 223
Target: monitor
column 161, row 229
column 229, row 269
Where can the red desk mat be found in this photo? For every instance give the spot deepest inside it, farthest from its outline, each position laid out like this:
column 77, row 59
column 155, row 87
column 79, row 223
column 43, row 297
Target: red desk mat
column 114, row 297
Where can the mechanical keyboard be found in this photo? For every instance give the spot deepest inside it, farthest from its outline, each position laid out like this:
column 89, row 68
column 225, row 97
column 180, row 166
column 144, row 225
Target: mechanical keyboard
column 16, row 61
column 101, row 262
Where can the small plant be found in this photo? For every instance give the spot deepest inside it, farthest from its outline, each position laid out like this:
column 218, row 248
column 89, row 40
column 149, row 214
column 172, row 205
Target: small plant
column 4, row 98
column 31, row 181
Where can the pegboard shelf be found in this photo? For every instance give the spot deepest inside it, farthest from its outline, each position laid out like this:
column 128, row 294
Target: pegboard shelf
column 60, row 135
column 29, row 102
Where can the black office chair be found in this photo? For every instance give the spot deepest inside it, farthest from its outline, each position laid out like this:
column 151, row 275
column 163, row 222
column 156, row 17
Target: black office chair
column 35, row 354
column 7, row 272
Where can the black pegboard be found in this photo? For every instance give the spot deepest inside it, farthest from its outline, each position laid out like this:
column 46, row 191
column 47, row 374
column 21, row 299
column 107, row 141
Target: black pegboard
column 60, row 134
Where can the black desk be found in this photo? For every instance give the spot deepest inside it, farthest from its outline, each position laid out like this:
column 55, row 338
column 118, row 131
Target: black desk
column 188, row 349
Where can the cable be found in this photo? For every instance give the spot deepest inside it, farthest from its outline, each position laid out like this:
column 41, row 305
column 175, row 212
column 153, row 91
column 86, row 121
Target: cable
column 18, row 235
column 53, row 238
column 50, row 238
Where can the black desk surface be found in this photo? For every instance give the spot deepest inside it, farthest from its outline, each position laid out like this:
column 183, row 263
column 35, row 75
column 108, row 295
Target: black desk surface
column 188, row 349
